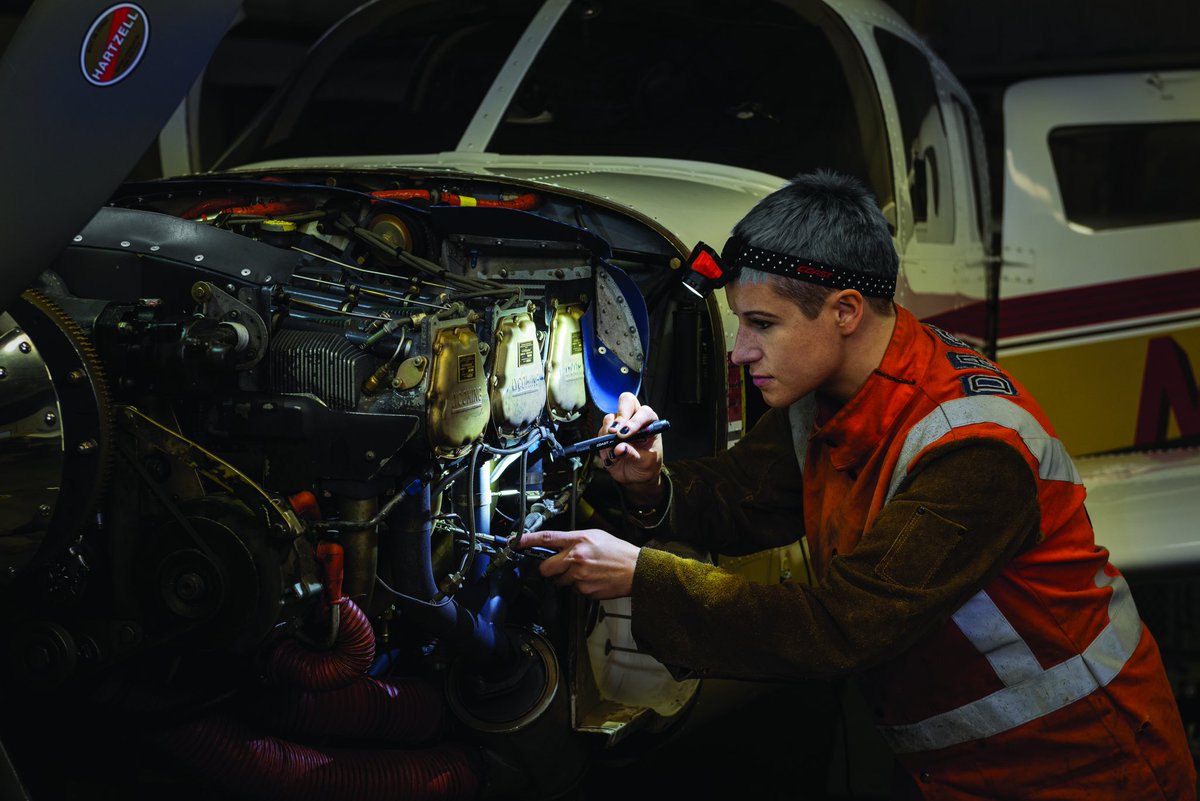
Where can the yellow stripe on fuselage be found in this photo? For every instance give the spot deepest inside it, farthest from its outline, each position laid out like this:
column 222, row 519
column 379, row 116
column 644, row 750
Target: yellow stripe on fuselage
column 1092, row 389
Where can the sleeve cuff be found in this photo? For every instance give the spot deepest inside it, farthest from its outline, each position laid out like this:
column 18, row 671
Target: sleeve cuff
column 653, row 517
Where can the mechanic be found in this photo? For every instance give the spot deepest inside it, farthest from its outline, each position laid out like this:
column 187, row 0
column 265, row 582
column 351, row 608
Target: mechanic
column 956, row 575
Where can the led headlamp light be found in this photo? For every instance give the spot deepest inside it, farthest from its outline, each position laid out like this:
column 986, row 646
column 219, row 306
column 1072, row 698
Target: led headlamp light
column 707, row 270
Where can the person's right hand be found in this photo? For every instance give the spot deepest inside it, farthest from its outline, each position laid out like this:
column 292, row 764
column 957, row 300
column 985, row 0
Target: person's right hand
column 636, row 466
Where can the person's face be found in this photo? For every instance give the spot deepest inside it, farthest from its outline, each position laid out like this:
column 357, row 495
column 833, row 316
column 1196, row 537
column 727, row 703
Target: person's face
column 787, row 354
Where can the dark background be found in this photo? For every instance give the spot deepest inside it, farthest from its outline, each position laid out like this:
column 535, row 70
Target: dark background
column 987, row 45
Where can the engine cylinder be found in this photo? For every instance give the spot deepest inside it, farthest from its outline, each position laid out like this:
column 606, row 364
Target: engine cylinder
column 457, row 390
column 518, row 385
column 566, row 387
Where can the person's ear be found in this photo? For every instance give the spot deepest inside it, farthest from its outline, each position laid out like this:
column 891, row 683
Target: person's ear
column 848, row 306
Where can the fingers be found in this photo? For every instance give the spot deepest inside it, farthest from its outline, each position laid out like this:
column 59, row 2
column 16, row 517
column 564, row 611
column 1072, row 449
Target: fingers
column 547, row 538
column 564, row 567
column 607, row 426
column 558, row 567
column 642, row 418
column 625, row 451
column 627, row 405
column 608, row 457
column 555, row 566
column 629, row 420
column 631, row 417
column 594, row 562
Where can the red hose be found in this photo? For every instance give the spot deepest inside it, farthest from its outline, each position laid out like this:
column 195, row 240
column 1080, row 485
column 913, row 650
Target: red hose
column 305, row 505
column 252, row 765
column 401, row 194
column 351, row 656
column 333, row 556
column 401, row 710
column 523, row 202
column 212, row 206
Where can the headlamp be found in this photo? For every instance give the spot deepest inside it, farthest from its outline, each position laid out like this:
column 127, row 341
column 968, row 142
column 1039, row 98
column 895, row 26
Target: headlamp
column 706, row 271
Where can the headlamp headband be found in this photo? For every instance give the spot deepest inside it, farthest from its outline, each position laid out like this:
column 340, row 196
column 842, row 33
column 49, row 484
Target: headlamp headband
column 708, row 271
column 741, row 255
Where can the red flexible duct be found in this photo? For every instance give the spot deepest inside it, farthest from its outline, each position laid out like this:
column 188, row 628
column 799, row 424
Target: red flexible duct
column 351, row 656
column 251, row 765
column 401, row 710
column 352, row 705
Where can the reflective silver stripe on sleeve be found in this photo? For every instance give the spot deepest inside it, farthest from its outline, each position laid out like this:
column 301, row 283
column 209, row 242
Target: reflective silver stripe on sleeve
column 1053, row 462
column 1109, row 652
column 994, row 637
column 1033, row 697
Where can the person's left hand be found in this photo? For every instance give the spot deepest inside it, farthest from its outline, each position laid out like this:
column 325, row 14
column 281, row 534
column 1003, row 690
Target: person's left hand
column 599, row 565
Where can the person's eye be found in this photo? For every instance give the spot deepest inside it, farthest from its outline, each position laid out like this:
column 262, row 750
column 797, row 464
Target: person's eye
column 761, row 325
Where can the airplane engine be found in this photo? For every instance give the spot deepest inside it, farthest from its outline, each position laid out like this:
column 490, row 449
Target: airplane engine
column 270, row 440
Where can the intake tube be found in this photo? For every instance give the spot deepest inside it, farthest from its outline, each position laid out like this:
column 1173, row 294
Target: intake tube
column 252, row 764
column 352, row 653
column 483, row 643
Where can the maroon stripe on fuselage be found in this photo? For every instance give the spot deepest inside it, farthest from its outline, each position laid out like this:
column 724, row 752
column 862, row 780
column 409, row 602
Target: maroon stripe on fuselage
column 1084, row 306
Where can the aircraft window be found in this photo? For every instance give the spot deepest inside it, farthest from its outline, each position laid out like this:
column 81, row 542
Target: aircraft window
column 753, row 84
column 1117, row 176
column 398, row 82
column 926, row 149
column 974, row 139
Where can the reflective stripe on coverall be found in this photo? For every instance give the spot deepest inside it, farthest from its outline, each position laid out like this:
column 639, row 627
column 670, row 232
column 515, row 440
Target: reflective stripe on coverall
column 1045, row 684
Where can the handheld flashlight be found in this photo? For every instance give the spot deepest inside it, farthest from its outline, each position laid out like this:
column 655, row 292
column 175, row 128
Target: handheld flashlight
column 607, row 440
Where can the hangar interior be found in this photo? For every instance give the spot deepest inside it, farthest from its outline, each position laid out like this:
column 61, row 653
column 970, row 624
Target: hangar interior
column 750, row 748
column 987, row 47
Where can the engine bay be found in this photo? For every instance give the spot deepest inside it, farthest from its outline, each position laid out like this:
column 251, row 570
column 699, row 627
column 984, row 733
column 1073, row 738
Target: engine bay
column 269, row 440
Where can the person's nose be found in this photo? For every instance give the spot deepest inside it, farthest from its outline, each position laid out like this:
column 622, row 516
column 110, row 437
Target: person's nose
column 744, row 349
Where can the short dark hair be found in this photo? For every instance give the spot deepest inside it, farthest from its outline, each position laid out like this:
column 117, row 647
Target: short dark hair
column 827, row 217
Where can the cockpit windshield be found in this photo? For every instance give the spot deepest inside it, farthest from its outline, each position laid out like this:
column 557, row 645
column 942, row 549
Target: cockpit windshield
column 759, row 85
column 754, row 85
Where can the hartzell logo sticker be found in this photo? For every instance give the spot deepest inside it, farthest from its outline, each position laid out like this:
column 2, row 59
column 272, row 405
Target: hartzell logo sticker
column 114, row 44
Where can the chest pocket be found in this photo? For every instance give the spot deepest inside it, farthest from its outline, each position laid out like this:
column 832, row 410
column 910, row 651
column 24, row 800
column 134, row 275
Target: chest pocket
column 919, row 549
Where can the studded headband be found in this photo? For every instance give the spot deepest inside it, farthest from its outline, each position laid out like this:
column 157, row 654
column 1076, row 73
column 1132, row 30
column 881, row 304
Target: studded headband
column 739, row 255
